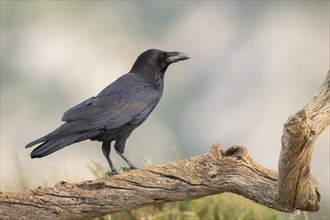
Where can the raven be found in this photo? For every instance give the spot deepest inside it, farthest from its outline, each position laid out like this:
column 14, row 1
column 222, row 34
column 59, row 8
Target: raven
column 116, row 111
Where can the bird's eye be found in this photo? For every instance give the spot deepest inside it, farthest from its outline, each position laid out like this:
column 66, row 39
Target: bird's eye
column 162, row 57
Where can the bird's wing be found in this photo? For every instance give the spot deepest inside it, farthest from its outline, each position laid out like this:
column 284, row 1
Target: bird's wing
column 115, row 109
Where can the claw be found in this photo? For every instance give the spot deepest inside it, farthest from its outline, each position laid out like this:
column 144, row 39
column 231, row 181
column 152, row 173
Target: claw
column 127, row 168
column 111, row 173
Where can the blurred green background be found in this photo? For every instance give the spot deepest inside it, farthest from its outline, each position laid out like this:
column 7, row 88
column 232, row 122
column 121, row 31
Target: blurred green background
column 253, row 64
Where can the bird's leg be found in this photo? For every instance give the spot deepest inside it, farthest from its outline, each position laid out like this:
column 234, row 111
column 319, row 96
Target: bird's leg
column 119, row 147
column 130, row 164
column 106, row 146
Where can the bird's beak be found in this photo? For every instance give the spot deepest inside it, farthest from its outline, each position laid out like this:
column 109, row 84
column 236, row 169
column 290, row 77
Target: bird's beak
column 173, row 57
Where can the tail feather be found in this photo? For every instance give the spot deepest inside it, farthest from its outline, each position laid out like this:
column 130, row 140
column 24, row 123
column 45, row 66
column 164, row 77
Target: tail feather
column 52, row 145
column 66, row 129
column 39, row 140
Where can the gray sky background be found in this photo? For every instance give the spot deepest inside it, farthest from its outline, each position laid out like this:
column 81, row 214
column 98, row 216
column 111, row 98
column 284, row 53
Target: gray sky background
column 252, row 65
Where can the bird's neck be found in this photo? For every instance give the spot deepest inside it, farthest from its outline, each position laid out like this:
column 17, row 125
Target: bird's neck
column 155, row 79
column 159, row 81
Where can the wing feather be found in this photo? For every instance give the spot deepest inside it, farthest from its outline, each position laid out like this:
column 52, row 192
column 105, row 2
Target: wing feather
column 115, row 109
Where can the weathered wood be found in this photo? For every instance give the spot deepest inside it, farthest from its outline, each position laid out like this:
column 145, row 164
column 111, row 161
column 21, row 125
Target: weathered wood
column 216, row 172
column 212, row 173
column 296, row 189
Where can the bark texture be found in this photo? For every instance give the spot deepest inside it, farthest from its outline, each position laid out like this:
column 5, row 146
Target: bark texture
column 296, row 189
column 218, row 171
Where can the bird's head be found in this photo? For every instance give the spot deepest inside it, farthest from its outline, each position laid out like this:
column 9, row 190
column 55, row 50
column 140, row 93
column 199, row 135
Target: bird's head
column 156, row 61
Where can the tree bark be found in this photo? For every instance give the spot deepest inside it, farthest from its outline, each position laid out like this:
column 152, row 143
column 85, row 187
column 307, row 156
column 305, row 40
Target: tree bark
column 215, row 172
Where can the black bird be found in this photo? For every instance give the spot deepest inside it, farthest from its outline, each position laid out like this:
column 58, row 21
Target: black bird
column 116, row 111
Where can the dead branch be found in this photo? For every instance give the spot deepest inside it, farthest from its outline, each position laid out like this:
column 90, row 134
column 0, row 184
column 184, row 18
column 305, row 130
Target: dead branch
column 216, row 172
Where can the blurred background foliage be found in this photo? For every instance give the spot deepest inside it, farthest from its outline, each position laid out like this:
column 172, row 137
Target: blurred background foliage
column 253, row 63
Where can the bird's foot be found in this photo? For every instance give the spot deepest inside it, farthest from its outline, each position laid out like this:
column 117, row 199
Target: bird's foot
column 128, row 168
column 111, row 173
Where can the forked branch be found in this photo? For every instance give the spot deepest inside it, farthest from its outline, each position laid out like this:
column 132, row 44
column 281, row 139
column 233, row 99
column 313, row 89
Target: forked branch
column 216, row 172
